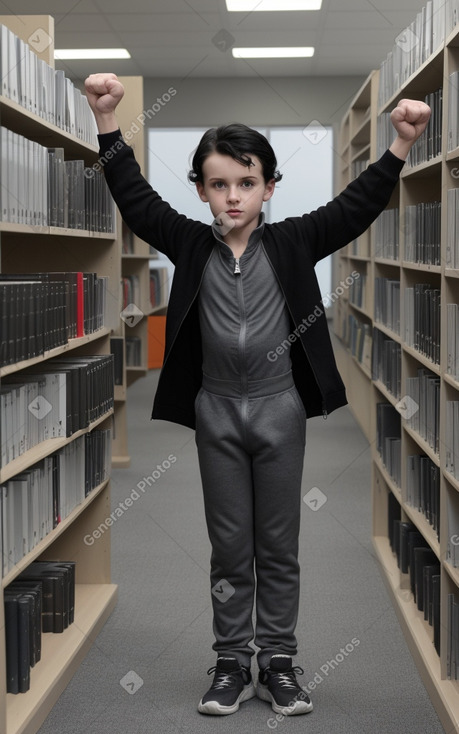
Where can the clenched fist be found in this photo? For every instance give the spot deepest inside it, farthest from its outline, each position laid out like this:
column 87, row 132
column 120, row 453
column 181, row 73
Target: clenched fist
column 104, row 92
column 410, row 119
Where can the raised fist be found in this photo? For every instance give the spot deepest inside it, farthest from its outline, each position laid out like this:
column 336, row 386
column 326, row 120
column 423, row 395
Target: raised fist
column 104, row 92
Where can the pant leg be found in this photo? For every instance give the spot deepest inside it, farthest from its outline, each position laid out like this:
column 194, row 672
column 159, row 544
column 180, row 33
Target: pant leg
column 278, row 425
column 226, row 474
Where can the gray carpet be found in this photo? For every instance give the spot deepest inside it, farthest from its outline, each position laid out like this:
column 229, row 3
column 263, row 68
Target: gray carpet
column 158, row 640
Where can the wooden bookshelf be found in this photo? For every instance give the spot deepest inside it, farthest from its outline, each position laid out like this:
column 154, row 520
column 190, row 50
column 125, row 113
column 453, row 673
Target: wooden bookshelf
column 37, row 249
column 428, row 181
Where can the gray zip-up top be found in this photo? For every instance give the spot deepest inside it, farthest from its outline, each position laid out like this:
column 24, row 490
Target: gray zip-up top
column 242, row 314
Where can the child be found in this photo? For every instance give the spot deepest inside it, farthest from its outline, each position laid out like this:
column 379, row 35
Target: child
column 241, row 288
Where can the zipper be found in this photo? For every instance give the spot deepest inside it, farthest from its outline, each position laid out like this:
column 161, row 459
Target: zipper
column 324, row 409
column 242, row 343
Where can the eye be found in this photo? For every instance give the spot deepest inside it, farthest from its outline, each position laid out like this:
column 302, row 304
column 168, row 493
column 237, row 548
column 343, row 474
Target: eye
column 247, row 184
column 219, row 185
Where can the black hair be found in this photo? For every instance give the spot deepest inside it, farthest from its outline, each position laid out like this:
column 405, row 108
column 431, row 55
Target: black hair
column 238, row 141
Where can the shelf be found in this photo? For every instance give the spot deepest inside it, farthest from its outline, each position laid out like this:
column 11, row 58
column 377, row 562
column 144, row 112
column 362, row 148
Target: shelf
column 53, row 535
column 453, row 155
column 444, row 693
column 28, row 248
column 10, row 369
column 451, row 479
column 45, row 448
column 360, row 310
column 360, row 258
column 61, row 656
column 121, row 462
column 384, row 391
column 424, row 182
column 424, row 527
column 450, row 380
column 422, row 267
column 423, row 170
column 452, row 572
column 432, row 366
column 452, row 272
column 14, row 228
column 387, row 261
column 426, row 448
column 395, row 489
column 414, row 87
column 32, row 126
column 385, row 329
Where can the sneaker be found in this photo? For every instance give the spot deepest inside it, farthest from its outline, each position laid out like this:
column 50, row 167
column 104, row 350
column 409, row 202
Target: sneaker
column 231, row 686
column 278, row 684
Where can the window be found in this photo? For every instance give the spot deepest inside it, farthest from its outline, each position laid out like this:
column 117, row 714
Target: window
column 304, row 156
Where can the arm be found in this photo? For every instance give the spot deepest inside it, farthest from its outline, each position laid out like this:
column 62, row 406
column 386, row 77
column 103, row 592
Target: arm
column 141, row 207
column 350, row 213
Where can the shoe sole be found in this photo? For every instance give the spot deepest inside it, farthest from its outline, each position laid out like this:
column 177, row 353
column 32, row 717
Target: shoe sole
column 216, row 709
column 297, row 707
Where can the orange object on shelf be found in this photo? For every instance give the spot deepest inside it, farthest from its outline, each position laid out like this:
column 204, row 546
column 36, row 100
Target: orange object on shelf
column 156, row 341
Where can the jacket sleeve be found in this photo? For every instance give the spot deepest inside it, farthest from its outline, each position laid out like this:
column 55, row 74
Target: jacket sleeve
column 141, row 207
column 349, row 214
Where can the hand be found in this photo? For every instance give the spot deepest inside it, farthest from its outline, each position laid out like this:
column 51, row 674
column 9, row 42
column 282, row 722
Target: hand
column 104, row 92
column 410, row 119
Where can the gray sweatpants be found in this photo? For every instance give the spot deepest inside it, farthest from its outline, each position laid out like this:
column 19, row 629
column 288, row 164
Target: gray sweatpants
column 251, row 451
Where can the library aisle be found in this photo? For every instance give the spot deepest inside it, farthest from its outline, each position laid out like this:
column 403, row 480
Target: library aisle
column 146, row 670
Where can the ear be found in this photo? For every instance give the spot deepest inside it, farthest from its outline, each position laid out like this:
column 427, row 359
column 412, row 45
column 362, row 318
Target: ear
column 202, row 192
column 269, row 190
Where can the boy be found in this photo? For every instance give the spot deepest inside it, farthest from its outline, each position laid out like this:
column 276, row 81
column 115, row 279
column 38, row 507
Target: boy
column 241, row 288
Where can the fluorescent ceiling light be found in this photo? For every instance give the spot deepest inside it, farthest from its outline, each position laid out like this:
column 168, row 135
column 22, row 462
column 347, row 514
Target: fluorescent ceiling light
column 92, row 53
column 273, row 53
column 251, row 6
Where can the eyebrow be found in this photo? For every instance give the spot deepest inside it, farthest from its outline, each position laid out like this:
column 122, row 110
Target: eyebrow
column 222, row 178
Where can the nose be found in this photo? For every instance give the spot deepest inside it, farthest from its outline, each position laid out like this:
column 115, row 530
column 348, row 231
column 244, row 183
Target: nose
column 233, row 194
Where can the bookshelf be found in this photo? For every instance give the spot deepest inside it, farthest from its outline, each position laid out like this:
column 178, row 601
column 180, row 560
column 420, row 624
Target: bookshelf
column 399, row 310
column 31, row 249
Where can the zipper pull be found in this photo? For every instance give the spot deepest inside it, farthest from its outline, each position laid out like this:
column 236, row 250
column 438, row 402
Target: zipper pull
column 324, row 412
column 237, row 269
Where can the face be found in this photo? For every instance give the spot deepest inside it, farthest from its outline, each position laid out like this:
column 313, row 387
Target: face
column 235, row 190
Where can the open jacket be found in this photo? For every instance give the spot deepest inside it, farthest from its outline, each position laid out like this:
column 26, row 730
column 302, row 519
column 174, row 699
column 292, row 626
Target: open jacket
column 292, row 247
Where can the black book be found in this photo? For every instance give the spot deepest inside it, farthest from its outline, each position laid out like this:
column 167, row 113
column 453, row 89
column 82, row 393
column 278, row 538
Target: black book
column 117, row 348
column 393, row 514
column 33, row 589
column 18, row 623
column 428, row 573
column 436, row 611
column 405, row 528
column 52, row 596
column 70, row 566
column 12, row 644
column 415, row 540
column 422, row 557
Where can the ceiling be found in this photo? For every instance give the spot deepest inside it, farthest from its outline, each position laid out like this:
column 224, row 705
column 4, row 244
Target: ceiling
column 193, row 38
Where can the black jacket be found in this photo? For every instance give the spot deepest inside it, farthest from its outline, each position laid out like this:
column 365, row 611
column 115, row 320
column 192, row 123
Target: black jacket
column 293, row 247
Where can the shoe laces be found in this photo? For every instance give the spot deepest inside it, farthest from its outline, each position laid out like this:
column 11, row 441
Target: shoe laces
column 222, row 679
column 287, row 679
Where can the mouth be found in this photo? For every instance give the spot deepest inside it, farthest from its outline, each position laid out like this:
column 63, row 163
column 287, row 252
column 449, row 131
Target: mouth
column 233, row 212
